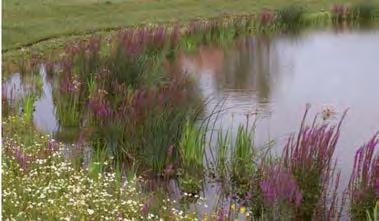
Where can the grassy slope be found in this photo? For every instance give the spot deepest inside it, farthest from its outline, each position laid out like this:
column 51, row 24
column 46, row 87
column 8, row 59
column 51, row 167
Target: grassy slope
column 28, row 21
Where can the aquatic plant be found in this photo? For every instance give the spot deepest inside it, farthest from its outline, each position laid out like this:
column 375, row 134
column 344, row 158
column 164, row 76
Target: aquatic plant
column 242, row 156
column 341, row 12
column 7, row 102
column 28, row 106
column 291, row 16
column 191, row 150
column 266, row 18
column 363, row 11
column 373, row 215
column 222, row 157
column 364, row 181
column 309, row 156
column 281, row 194
column 192, row 147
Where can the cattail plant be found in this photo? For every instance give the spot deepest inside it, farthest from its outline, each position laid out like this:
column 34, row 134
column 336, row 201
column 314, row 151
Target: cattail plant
column 363, row 190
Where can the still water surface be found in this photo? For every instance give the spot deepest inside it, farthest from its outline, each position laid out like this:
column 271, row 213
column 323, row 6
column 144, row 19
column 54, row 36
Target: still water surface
column 277, row 77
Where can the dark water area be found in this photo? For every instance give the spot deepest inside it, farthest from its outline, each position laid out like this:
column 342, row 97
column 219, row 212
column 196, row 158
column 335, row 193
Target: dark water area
column 273, row 77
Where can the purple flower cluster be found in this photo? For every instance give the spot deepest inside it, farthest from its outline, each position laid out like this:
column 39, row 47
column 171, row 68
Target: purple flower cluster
column 313, row 147
column 22, row 159
column 52, row 145
column 279, row 186
column 266, row 17
column 135, row 40
column 69, row 85
column 340, row 11
column 365, row 176
column 98, row 104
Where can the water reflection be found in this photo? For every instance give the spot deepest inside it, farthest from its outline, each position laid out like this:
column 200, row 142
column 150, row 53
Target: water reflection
column 44, row 115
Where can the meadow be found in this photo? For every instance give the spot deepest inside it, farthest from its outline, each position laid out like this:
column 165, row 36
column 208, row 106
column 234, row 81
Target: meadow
column 132, row 122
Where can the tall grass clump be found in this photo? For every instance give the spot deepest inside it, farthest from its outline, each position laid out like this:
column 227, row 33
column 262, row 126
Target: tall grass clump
column 309, row 157
column 267, row 19
column 242, row 156
column 363, row 187
column 373, row 215
column 129, row 96
column 192, row 150
column 291, row 17
column 341, row 12
column 364, row 11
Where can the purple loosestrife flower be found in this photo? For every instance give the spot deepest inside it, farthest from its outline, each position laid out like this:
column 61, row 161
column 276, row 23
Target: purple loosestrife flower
column 22, row 159
column 266, row 17
column 69, row 84
column 159, row 36
column 364, row 179
column 52, row 145
column 175, row 34
column 221, row 214
column 279, row 186
column 309, row 156
column 146, row 206
column 98, row 104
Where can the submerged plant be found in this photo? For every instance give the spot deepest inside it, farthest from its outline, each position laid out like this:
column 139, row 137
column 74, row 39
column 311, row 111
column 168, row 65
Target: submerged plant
column 364, row 182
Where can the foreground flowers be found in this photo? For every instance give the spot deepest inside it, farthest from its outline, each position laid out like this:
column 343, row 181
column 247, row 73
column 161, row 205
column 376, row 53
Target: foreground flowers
column 40, row 184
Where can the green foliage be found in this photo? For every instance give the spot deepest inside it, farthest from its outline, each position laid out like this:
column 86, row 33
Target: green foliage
column 364, row 11
column 192, row 150
column 28, row 106
column 223, row 145
column 291, row 16
column 242, row 156
column 373, row 215
column 192, row 147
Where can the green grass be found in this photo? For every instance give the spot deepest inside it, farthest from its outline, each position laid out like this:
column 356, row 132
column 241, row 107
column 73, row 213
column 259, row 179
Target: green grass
column 27, row 22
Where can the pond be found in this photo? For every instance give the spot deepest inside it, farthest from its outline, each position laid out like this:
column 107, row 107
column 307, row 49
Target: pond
column 273, row 78
column 277, row 76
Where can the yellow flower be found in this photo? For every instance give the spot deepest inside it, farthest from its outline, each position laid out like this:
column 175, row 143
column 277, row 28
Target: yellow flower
column 242, row 210
column 233, row 206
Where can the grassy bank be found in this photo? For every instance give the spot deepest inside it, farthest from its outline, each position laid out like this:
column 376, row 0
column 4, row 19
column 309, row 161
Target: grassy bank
column 28, row 22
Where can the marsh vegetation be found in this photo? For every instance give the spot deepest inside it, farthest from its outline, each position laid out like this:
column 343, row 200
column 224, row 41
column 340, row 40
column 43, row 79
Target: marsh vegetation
column 137, row 135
